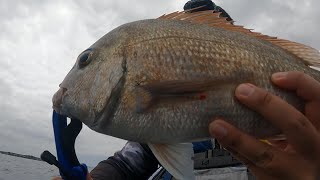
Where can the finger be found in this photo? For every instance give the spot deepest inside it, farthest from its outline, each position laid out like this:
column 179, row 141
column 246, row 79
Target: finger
column 304, row 85
column 297, row 128
column 313, row 113
column 260, row 157
column 241, row 158
column 256, row 171
column 257, row 153
column 281, row 144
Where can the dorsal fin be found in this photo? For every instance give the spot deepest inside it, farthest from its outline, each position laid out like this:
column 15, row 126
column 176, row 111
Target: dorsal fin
column 308, row 55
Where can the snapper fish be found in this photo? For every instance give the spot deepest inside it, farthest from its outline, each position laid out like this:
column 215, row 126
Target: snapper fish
column 163, row 81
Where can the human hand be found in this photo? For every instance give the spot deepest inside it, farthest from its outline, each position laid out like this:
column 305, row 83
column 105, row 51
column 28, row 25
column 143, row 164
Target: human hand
column 298, row 158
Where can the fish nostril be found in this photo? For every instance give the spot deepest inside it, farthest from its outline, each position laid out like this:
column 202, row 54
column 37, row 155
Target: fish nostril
column 62, row 87
column 64, row 90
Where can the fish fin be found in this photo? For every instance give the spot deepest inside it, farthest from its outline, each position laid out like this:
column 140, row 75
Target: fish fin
column 175, row 91
column 177, row 159
column 310, row 56
column 177, row 87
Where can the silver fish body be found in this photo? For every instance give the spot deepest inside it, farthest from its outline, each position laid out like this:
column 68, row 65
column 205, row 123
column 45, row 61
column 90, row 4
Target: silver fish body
column 164, row 81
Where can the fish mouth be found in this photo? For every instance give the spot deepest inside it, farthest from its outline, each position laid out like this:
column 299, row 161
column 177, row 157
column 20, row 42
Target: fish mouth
column 57, row 99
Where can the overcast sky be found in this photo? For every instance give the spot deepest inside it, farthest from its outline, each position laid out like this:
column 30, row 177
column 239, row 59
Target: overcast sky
column 41, row 39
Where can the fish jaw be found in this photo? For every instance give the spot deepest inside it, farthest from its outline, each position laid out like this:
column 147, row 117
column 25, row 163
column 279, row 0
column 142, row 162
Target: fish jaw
column 57, row 99
column 63, row 104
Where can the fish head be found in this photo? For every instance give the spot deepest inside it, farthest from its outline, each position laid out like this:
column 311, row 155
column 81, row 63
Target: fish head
column 87, row 90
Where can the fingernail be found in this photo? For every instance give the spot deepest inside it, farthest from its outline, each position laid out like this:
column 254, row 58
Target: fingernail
column 279, row 75
column 217, row 130
column 244, row 90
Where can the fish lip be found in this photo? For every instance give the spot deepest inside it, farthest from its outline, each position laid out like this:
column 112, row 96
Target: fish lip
column 57, row 99
column 57, row 109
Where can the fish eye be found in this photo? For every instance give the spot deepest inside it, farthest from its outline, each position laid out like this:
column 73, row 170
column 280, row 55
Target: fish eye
column 84, row 58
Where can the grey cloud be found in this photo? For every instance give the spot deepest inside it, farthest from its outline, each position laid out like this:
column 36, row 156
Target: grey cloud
column 102, row 16
column 293, row 20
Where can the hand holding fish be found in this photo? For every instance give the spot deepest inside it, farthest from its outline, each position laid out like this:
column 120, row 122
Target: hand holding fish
column 299, row 158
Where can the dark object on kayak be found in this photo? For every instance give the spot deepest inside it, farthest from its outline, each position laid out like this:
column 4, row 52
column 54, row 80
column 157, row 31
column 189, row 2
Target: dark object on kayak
column 203, row 5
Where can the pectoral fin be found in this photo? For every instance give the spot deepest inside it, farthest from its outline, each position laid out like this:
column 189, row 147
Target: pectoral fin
column 177, row 159
column 179, row 91
column 172, row 92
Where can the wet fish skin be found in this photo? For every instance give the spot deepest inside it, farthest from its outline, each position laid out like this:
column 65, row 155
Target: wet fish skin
column 110, row 96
